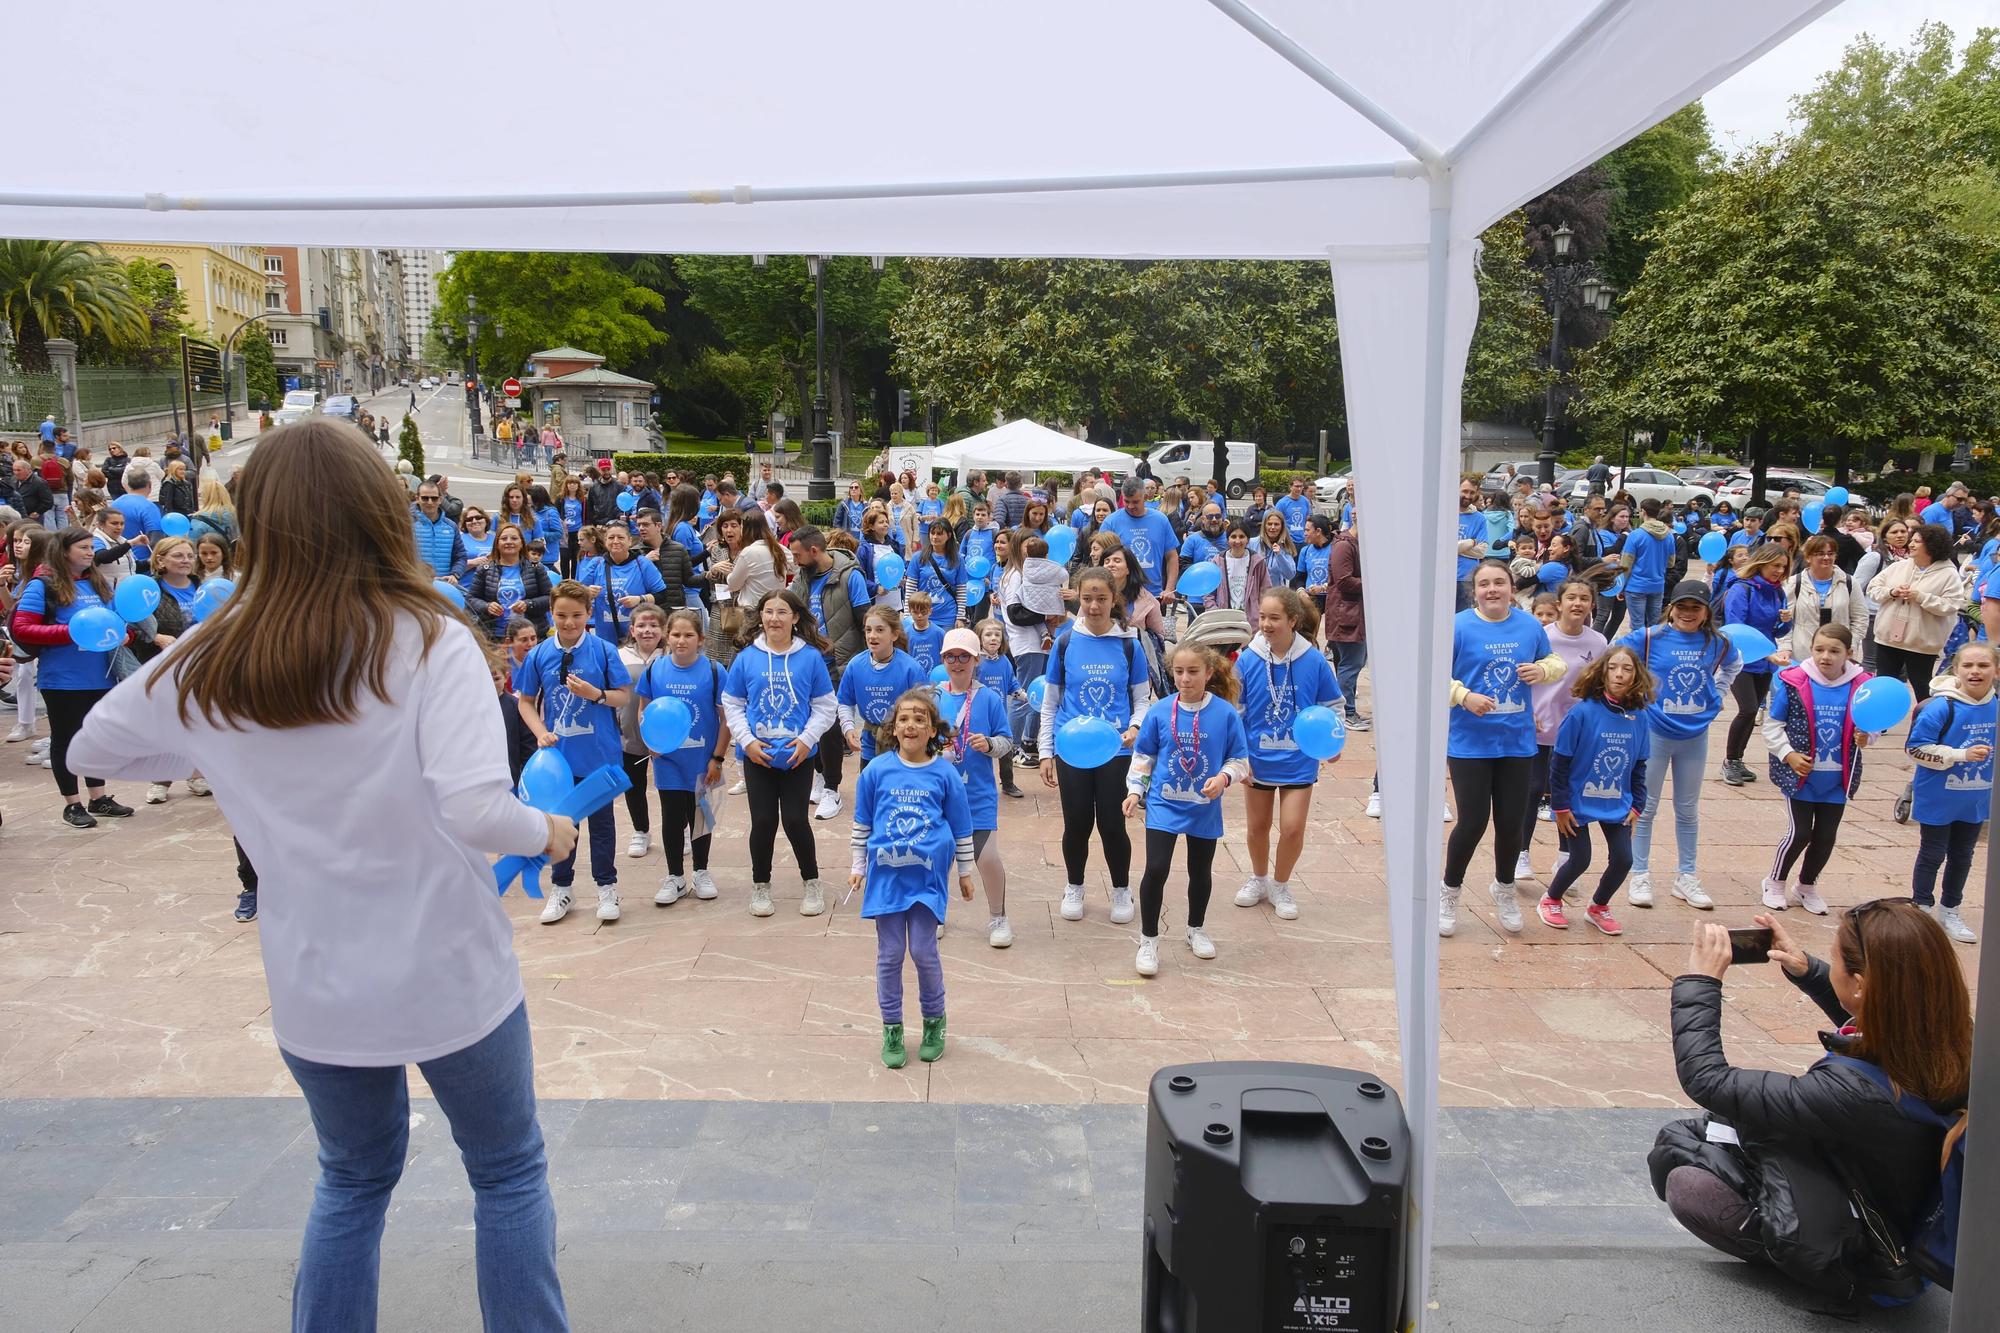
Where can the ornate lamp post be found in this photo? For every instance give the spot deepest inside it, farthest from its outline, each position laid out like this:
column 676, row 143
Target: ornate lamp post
column 1567, row 281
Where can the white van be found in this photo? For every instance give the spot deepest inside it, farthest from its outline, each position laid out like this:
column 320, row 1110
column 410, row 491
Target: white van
column 1195, row 460
column 298, row 403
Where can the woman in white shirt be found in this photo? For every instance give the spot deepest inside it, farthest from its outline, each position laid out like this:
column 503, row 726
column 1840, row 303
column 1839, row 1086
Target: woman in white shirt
column 361, row 761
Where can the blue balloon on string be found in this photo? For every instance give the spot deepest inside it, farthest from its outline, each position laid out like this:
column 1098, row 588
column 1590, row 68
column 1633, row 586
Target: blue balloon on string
column 1087, row 742
column 209, row 597
column 889, row 571
column 174, row 525
column 137, row 597
column 1811, row 516
column 1753, row 643
column 1062, row 544
column 450, row 591
column 546, row 778
column 664, row 724
column 939, row 674
column 975, row 592
column 1713, row 547
column 627, row 501
column 1837, row 496
column 1880, row 703
column 1038, row 690
column 1555, row 571
column 1320, row 732
column 1618, row 585
column 978, row 567
column 1199, row 580
column 96, row 629
column 1680, row 527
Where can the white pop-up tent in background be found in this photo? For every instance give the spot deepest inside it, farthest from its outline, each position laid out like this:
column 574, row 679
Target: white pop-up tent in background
column 1029, row 447
column 1383, row 138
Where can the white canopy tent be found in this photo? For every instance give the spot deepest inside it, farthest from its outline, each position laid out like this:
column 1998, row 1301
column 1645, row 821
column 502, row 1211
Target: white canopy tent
column 1381, row 138
column 1029, row 446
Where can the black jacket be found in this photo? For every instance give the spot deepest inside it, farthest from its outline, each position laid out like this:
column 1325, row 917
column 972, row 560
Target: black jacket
column 535, row 590
column 676, row 568
column 521, row 745
column 113, row 468
column 178, row 497
column 32, row 497
column 600, row 502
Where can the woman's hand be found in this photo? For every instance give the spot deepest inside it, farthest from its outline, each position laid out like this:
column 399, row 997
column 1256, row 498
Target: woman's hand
column 493, row 609
column 1131, row 806
column 1129, row 735
column 1798, row 763
column 965, row 887
column 799, row 752
column 1479, row 705
column 562, row 838
column 1785, row 613
column 1862, row 739
column 1566, row 823
column 757, row 754
column 1529, row 673
column 629, row 602
column 1709, row 955
column 546, row 739
column 518, row 608
column 1784, row 950
column 853, row 740
column 983, row 744
column 1048, row 767
column 713, row 774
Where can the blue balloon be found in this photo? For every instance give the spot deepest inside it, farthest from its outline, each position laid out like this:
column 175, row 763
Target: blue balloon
column 627, row 501
column 1618, row 585
column 889, row 571
column 1320, row 732
column 1062, row 544
column 1837, row 496
column 664, row 724
column 1199, row 580
column 546, row 778
column 451, row 592
column 174, row 525
column 1087, row 742
column 1555, row 571
column 1811, row 515
column 96, row 629
column 1880, row 703
column 1754, row 644
column 939, row 674
column 1713, row 547
column 137, row 597
column 978, row 567
column 1038, row 690
column 1680, row 527
column 209, row 597
column 975, row 592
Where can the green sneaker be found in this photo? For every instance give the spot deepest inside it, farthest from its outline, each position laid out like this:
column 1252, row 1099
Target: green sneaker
column 932, row 1046
column 893, row 1054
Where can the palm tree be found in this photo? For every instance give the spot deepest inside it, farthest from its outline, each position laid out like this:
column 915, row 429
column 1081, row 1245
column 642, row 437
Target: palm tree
column 48, row 288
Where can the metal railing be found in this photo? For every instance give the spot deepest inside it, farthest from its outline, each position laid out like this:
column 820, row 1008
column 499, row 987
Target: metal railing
column 26, row 397
column 123, row 391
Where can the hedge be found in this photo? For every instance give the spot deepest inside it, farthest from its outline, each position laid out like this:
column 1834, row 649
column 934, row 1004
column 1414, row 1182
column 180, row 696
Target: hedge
column 742, row 464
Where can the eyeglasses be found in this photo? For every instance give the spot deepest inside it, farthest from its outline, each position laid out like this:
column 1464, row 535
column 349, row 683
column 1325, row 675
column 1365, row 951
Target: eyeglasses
column 1860, row 910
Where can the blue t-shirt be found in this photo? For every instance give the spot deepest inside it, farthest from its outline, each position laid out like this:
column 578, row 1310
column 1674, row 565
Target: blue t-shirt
column 185, row 596
column 929, row 508
column 1745, row 538
column 1189, row 746
column 981, row 713
column 1096, row 673
column 943, row 579
column 1273, row 694
column 699, row 686
column 1079, row 518
column 996, row 673
column 1649, row 561
column 871, row 688
column 708, row 508
column 634, row 578
column 141, row 516
column 927, row 644
column 1148, row 539
column 64, row 666
column 1314, row 562
column 1684, row 666
column 1962, row 793
column 1296, row 509
column 572, row 513
column 978, row 542
column 858, row 595
column 1604, row 746
column 777, row 690
column 1198, row 548
column 1937, row 513
column 478, row 546
column 1484, row 657
column 1827, row 782
column 586, row 731
column 915, row 814
column 1471, row 528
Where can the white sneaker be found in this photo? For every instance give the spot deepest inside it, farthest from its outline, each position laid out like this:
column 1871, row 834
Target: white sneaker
column 1448, row 910
column 672, row 890
column 1374, row 805
column 1774, row 894
column 1689, row 890
column 1640, row 891
column 1199, row 943
column 1543, row 813
column 819, row 787
column 198, row 787
column 641, row 843
column 1121, row 906
column 1523, row 867
column 1507, row 905
column 1447, row 812
column 1147, row 964
column 1072, row 903
column 607, row 902
column 814, row 901
column 736, row 788
column 1810, row 900
column 1955, row 927
column 704, row 885
column 39, row 745
column 156, row 794
column 42, row 759
column 760, row 900
column 998, row 933
column 1251, row 893
column 829, row 805
column 557, row 907
column 1282, row 904
column 21, row 732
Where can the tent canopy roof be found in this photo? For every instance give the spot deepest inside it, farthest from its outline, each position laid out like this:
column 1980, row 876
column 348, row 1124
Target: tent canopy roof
column 1030, row 446
column 1257, row 128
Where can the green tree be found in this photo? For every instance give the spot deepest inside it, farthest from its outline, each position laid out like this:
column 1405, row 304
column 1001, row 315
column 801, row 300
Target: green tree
column 260, row 368
column 56, row 288
column 529, row 302
column 1651, row 175
column 1504, row 370
column 410, row 447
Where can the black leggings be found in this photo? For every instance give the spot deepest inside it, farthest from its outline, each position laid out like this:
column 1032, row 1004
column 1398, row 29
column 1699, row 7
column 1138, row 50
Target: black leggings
column 780, row 794
column 635, row 795
column 1495, row 789
column 676, row 818
column 1749, row 690
column 1813, row 825
column 1617, row 864
column 1153, row 884
column 1530, row 814
column 569, row 556
column 1901, row 664
column 67, row 709
column 1095, row 798
column 832, row 758
column 1950, row 846
column 246, row 874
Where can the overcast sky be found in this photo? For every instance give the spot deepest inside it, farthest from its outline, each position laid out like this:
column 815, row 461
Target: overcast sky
column 1755, row 104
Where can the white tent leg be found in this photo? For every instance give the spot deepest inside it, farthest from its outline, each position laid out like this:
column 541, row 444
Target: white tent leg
column 1406, row 316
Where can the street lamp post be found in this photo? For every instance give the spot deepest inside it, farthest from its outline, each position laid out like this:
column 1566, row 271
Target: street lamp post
column 472, row 370
column 821, row 485
column 1565, row 280
column 228, row 403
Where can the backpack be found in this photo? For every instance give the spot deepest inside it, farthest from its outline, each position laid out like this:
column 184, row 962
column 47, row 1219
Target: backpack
column 1932, row 1245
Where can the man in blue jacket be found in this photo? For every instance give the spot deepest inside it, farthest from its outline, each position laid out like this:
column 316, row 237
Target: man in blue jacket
column 438, row 542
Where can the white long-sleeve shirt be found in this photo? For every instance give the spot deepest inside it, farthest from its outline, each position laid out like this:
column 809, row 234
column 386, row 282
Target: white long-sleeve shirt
column 384, row 942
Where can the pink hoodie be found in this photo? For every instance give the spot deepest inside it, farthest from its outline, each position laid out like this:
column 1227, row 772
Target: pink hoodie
column 1554, row 700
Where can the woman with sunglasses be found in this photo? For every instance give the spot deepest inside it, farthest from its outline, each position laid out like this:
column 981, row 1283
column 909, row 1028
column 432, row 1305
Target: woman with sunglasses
column 1903, row 1025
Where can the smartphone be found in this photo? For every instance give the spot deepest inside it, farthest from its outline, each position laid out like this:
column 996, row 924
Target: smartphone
column 1749, row 944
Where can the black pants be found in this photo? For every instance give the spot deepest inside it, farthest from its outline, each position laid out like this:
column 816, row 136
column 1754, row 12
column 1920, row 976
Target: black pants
column 775, row 795
column 569, row 555
column 1950, row 846
column 1153, row 884
column 635, row 795
column 1715, row 1213
column 676, row 818
column 246, row 874
column 1617, row 863
column 1749, row 690
column 1488, row 789
column 1901, row 664
column 1094, row 798
column 832, row 758
column 1609, row 614
column 1539, row 781
column 1813, row 825
column 67, row 709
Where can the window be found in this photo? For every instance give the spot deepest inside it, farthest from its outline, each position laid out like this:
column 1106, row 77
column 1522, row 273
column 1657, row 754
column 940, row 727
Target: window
column 278, row 337
column 274, row 264
column 274, row 300
column 600, row 412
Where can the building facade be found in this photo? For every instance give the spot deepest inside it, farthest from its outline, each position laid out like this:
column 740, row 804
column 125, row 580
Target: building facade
column 298, row 293
column 421, row 271
column 224, row 283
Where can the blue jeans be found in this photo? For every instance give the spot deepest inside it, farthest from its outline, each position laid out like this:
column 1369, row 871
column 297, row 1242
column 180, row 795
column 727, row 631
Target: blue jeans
column 1021, row 717
column 362, row 1118
column 603, row 853
column 1686, row 758
column 1644, row 608
column 1348, row 659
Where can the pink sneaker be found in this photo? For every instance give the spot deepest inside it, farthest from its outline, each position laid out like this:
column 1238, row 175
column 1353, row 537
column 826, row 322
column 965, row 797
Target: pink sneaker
column 1601, row 918
column 1550, row 910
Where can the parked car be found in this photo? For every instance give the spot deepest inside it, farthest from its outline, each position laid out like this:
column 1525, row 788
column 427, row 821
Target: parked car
column 298, row 403
column 1501, row 476
column 1735, row 488
column 342, row 405
column 1645, row 483
column 1706, row 475
column 1331, row 490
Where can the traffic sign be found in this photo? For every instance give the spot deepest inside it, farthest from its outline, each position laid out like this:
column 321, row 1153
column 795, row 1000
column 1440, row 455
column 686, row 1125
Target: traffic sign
column 511, row 387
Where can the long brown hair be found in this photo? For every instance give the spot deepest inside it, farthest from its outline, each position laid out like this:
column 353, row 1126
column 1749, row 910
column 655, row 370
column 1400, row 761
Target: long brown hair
column 757, row 528
column 1917, row 1015
column 324, row 524
column 804, row 628
column 55, row 569
column 1590, row 682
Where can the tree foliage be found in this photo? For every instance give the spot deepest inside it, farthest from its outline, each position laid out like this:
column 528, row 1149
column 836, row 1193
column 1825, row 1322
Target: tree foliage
column 1650, row 176
column 410, row 447
column 63, row 288
column 260, row 368
column 1505, row 368
column 529, row 302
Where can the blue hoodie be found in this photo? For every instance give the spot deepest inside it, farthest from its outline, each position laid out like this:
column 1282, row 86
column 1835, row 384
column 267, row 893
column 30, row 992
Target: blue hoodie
column 1755, row 602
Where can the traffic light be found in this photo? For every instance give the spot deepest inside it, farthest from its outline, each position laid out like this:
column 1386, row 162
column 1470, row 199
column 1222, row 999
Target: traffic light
column 902, row 403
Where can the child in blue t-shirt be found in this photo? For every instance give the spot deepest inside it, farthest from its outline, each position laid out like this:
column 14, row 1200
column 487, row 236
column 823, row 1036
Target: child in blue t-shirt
column 995, row 672
column 685, row 776
column 912, row 823
column 871, row 684
column 1597, row 775
column 1189, row 750
column 1951, row 742
column 976, row 717
column 926, row 639
column 1815, row 760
